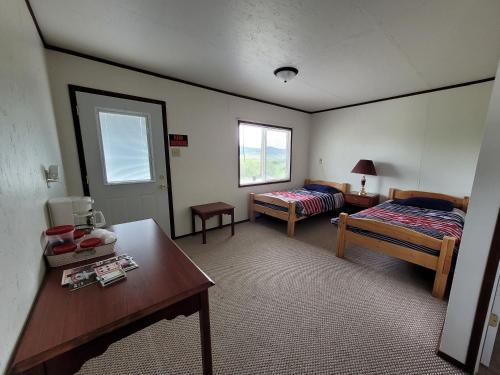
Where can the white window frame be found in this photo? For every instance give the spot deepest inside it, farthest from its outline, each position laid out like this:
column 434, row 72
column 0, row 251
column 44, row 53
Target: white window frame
column 147, row 116
column 263, row 163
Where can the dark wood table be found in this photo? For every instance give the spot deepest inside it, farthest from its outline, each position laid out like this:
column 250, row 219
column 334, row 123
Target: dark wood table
column 206, row 211
column 65, row 329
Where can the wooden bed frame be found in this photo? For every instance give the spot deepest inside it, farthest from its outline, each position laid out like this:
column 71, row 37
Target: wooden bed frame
column 440, row 263
column 289, row 215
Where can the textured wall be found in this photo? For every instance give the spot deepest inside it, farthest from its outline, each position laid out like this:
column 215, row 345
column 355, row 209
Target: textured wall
column 425, row 142
column 476, row 240
column 207, row 170
column 28, row 141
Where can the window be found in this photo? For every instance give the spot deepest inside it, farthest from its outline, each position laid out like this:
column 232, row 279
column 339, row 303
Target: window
column 125, row 147
column 264, row 154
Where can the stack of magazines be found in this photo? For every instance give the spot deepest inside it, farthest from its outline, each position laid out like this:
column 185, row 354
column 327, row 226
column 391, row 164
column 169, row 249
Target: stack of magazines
column 104, row 272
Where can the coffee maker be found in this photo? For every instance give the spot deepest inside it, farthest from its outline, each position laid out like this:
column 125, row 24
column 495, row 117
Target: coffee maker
column 77, row 211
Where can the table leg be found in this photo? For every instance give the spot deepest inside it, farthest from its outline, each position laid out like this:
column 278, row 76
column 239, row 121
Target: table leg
column 232, row 222
column 220, row 221
column 204, row 230
column 193, row 224
column 206, row 344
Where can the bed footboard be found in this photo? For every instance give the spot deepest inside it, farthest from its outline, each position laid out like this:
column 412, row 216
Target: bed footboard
column 443, row 266
column 287, row 215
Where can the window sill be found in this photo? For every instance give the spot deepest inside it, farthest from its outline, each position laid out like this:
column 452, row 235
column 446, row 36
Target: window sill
column 264, row 183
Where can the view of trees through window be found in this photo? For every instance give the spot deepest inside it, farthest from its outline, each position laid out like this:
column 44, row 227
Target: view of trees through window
column 264, row 153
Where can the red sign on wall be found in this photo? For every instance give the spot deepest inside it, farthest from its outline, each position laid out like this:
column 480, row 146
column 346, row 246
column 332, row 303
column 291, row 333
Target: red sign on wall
column 178, row 140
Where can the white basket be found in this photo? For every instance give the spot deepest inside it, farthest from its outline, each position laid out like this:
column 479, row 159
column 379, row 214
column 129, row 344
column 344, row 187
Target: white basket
column 78, row 256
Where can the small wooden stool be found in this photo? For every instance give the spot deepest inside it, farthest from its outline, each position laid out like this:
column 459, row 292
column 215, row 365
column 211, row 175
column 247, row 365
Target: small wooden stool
column 206, row 211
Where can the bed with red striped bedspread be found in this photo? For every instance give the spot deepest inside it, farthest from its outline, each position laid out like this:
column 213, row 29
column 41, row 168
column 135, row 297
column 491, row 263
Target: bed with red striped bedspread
column 434, row 223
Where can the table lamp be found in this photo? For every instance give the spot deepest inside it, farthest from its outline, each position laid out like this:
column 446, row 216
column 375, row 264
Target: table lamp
column 364, row 167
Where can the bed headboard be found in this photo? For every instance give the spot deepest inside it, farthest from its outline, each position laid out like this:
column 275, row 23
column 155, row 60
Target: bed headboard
column 343, row 187
column 461, row 203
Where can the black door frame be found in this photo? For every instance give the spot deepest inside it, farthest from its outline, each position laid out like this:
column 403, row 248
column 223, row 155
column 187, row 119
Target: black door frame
column 485, row 296
column 73, row 89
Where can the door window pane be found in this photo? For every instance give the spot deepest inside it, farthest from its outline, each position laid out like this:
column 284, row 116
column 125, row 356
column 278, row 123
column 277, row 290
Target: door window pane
column 125, row 147
column 264, row 153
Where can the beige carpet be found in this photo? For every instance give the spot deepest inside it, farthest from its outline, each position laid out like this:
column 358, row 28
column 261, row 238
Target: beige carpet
column 289, row 306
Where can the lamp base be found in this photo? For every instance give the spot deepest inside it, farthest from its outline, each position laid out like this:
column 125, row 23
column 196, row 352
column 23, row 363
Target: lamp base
column 362, row 191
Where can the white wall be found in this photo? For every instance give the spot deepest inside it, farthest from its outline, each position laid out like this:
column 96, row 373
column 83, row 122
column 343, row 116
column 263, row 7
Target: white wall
column 426, row 142
column 207, row 170
column 476, row 240
column 28, row 141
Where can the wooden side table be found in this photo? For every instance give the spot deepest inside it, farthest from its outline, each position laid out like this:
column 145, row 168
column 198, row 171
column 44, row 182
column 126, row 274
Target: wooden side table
column 356, row 202
column 206, row 211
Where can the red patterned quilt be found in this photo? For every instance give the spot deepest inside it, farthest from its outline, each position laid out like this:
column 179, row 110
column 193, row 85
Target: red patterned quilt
column 309, row 202
column 433, row 223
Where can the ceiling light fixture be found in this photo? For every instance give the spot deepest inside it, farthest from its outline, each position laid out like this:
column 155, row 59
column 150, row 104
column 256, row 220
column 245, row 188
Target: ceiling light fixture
column 286, row 73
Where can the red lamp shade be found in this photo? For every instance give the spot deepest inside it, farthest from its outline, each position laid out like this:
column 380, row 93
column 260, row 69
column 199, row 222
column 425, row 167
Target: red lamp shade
column 365, row 166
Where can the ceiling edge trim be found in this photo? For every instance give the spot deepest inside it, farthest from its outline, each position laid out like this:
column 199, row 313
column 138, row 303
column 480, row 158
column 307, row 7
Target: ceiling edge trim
column 449, row 87
column 163, row 76
column 179, row 80
column 37, row 26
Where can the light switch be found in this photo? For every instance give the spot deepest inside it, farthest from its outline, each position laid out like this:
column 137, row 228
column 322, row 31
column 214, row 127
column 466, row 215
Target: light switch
column 176, row 152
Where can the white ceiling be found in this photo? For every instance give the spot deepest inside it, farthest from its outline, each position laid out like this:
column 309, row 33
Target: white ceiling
column 347, row 51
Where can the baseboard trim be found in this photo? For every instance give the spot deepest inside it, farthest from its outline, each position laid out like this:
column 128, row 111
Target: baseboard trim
column 453, row 361
column 209, row 229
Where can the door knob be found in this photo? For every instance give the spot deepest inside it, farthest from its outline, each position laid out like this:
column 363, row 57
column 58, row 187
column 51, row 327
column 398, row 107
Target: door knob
column 163, row 186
